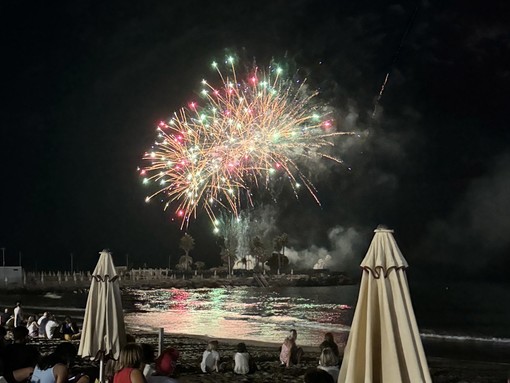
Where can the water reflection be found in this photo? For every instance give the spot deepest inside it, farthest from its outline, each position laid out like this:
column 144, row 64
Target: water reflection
column 247, row 313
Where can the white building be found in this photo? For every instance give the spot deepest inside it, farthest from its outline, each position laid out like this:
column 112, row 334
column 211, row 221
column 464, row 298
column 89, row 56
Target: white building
column 11, row 276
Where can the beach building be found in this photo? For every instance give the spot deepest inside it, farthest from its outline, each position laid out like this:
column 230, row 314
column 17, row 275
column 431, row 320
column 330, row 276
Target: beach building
column 11, row 276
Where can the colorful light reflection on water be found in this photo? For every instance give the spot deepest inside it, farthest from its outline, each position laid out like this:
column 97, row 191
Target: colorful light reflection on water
column 247, row 313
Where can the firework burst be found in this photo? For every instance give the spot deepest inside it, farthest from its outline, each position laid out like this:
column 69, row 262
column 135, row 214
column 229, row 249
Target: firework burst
column 210, row 155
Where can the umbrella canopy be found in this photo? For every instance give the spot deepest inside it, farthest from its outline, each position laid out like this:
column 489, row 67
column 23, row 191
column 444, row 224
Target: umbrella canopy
column 103, row 325
column 384, row 344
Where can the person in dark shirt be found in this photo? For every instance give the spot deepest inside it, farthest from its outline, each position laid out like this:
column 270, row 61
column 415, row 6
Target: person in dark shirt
column 4, row 317
column 19, row 358
column 69, row 330
column 329, row 342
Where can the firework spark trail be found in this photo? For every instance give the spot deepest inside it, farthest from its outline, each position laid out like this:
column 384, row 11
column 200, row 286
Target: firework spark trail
column 394, row 61
column 211, row 156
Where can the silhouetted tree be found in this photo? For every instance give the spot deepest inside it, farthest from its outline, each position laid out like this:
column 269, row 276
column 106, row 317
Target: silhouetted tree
column 258, row 250
column 228, row 258
column 277, row 258
column 199, row 265
column 187, row 243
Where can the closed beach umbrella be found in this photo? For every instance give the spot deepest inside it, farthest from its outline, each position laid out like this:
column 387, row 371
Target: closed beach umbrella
column 103, row 331
column 384, row 344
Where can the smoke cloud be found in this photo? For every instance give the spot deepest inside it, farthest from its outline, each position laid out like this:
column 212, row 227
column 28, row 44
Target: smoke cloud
column 345, row 249
column 475, row 234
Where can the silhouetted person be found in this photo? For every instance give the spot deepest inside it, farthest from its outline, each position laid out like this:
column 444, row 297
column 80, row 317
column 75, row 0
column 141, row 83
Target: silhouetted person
column 19, row 357
column 315, row 375
column 4, row 317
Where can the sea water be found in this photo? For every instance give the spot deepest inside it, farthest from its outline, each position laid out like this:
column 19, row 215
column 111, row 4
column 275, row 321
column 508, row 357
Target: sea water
column 465, row 320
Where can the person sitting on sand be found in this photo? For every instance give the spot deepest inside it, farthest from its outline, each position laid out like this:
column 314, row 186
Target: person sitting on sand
column 329, row 362
column 33, row 328
column 210, row 358
column 129, row 366
column 55, row 367
column 165, row 366
column 329, row 341
column 314, row 375
column 41, row 322
column 69, row 330
column 290, row 353
column 52, row 328
column 241, row 360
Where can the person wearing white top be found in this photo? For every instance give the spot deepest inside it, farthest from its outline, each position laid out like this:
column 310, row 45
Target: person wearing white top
column 241, row 360
column 18, row 315
column 51, row 328
column 42, row 324
column 33, row 328
column 210, row 358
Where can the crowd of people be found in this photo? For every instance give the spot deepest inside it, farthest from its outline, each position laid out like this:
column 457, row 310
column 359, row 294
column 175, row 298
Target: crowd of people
column 43, row 325
column 21, row 361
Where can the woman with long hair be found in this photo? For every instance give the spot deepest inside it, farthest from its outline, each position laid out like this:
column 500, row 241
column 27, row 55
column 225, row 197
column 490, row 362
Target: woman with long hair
column 129, row 366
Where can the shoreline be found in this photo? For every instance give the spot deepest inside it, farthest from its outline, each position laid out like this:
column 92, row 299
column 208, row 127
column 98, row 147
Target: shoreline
column 164, row 278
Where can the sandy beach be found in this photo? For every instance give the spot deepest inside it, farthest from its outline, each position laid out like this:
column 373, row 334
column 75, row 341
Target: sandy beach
column 266, row 357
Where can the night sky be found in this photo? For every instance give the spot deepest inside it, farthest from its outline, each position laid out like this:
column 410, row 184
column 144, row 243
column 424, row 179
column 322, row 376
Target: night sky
column 85, row 84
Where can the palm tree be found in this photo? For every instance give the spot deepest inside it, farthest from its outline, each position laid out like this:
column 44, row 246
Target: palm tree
column 187, row 244
column 199, row 265
column 227, row 256
column 257, row 249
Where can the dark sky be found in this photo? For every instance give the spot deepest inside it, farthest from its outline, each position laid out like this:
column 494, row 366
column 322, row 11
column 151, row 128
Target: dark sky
column 84, row 84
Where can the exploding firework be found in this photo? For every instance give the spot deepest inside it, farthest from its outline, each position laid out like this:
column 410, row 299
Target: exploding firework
column 211, row 155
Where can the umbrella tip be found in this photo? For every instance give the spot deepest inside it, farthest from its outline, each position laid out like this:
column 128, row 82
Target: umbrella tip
column 383, row 228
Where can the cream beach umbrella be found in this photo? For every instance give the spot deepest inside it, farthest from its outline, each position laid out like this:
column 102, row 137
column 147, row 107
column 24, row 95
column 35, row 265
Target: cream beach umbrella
column 103, row 332
column 384, row 344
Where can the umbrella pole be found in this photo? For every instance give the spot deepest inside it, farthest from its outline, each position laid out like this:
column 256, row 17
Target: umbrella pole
column 101, row 370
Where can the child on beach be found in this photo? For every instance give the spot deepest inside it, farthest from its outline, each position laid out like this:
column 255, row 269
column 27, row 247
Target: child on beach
column 329, row 362
column 210, row 358
column 241, row 360
column 329, row 341
column 290, row 353
column 166, row 364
